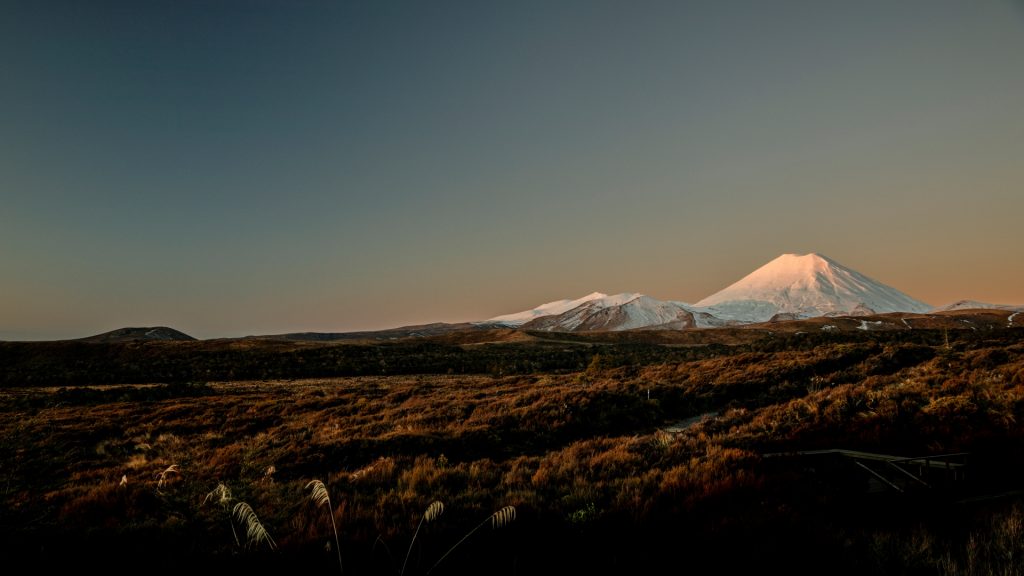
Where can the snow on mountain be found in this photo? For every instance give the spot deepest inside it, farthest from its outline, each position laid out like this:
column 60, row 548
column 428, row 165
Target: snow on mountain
column 974, row 304
column 550, row 309
column 805, row 285
column 625, row 311
column 703, row 318
column 792, row 286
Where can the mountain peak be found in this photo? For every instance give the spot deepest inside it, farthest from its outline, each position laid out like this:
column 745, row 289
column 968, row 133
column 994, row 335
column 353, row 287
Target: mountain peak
column 809, row 255
column 551, row 308
column 799, row 285
column 811, row 260
column 809, row 285
column 625, row 311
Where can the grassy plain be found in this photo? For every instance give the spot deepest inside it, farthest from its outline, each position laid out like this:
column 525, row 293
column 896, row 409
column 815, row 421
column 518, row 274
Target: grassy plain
column 580, row 436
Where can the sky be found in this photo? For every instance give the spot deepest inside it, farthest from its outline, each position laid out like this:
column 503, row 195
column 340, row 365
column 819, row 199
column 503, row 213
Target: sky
column 258, row 167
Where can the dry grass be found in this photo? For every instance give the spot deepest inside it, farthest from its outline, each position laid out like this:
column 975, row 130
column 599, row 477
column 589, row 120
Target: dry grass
column 164, row 476
column 255, row 532
column 320, row 497
column 499, row 519
column 221, row 495
column 547, row 444
column 433, row 512
column 503, row 517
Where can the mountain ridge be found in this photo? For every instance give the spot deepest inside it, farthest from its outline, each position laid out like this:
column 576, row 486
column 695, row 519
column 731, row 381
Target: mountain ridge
column 791, row 286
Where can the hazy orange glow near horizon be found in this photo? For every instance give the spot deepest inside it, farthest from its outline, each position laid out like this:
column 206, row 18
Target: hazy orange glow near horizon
column 265, row 167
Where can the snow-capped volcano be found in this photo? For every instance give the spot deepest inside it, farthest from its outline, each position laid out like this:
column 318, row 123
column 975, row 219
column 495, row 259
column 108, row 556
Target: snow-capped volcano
column 625, row 311
column 806, row 285
column 550, row 309
column 789, row 287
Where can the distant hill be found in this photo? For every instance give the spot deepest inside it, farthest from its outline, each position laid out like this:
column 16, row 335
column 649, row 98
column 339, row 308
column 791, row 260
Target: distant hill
column 132, row 334
column 976, row 320
column 975, row 305
column 424, row 330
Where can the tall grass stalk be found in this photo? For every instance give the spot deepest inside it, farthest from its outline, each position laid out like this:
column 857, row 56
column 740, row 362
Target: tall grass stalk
column 373, row 550
column 222, row 495
column 320, row 497
column 499, row 519
column 254, row 531
column 435, row 509
column 172, row 469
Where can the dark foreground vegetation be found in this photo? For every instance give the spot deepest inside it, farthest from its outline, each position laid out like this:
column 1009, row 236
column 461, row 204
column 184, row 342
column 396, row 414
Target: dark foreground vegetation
column 592, row 442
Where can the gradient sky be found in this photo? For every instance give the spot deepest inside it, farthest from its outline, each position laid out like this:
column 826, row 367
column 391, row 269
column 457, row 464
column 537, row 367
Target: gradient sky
column 233, row 168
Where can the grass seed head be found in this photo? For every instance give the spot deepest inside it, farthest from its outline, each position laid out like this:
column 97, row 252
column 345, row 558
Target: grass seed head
column 435, row 509
column 172, row 469
column 503, row 517
column 221, row 495
column 254, row 530
column 319, row 496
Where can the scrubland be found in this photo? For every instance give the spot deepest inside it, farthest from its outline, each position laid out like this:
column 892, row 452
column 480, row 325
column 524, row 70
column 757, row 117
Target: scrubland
column 587, row 451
